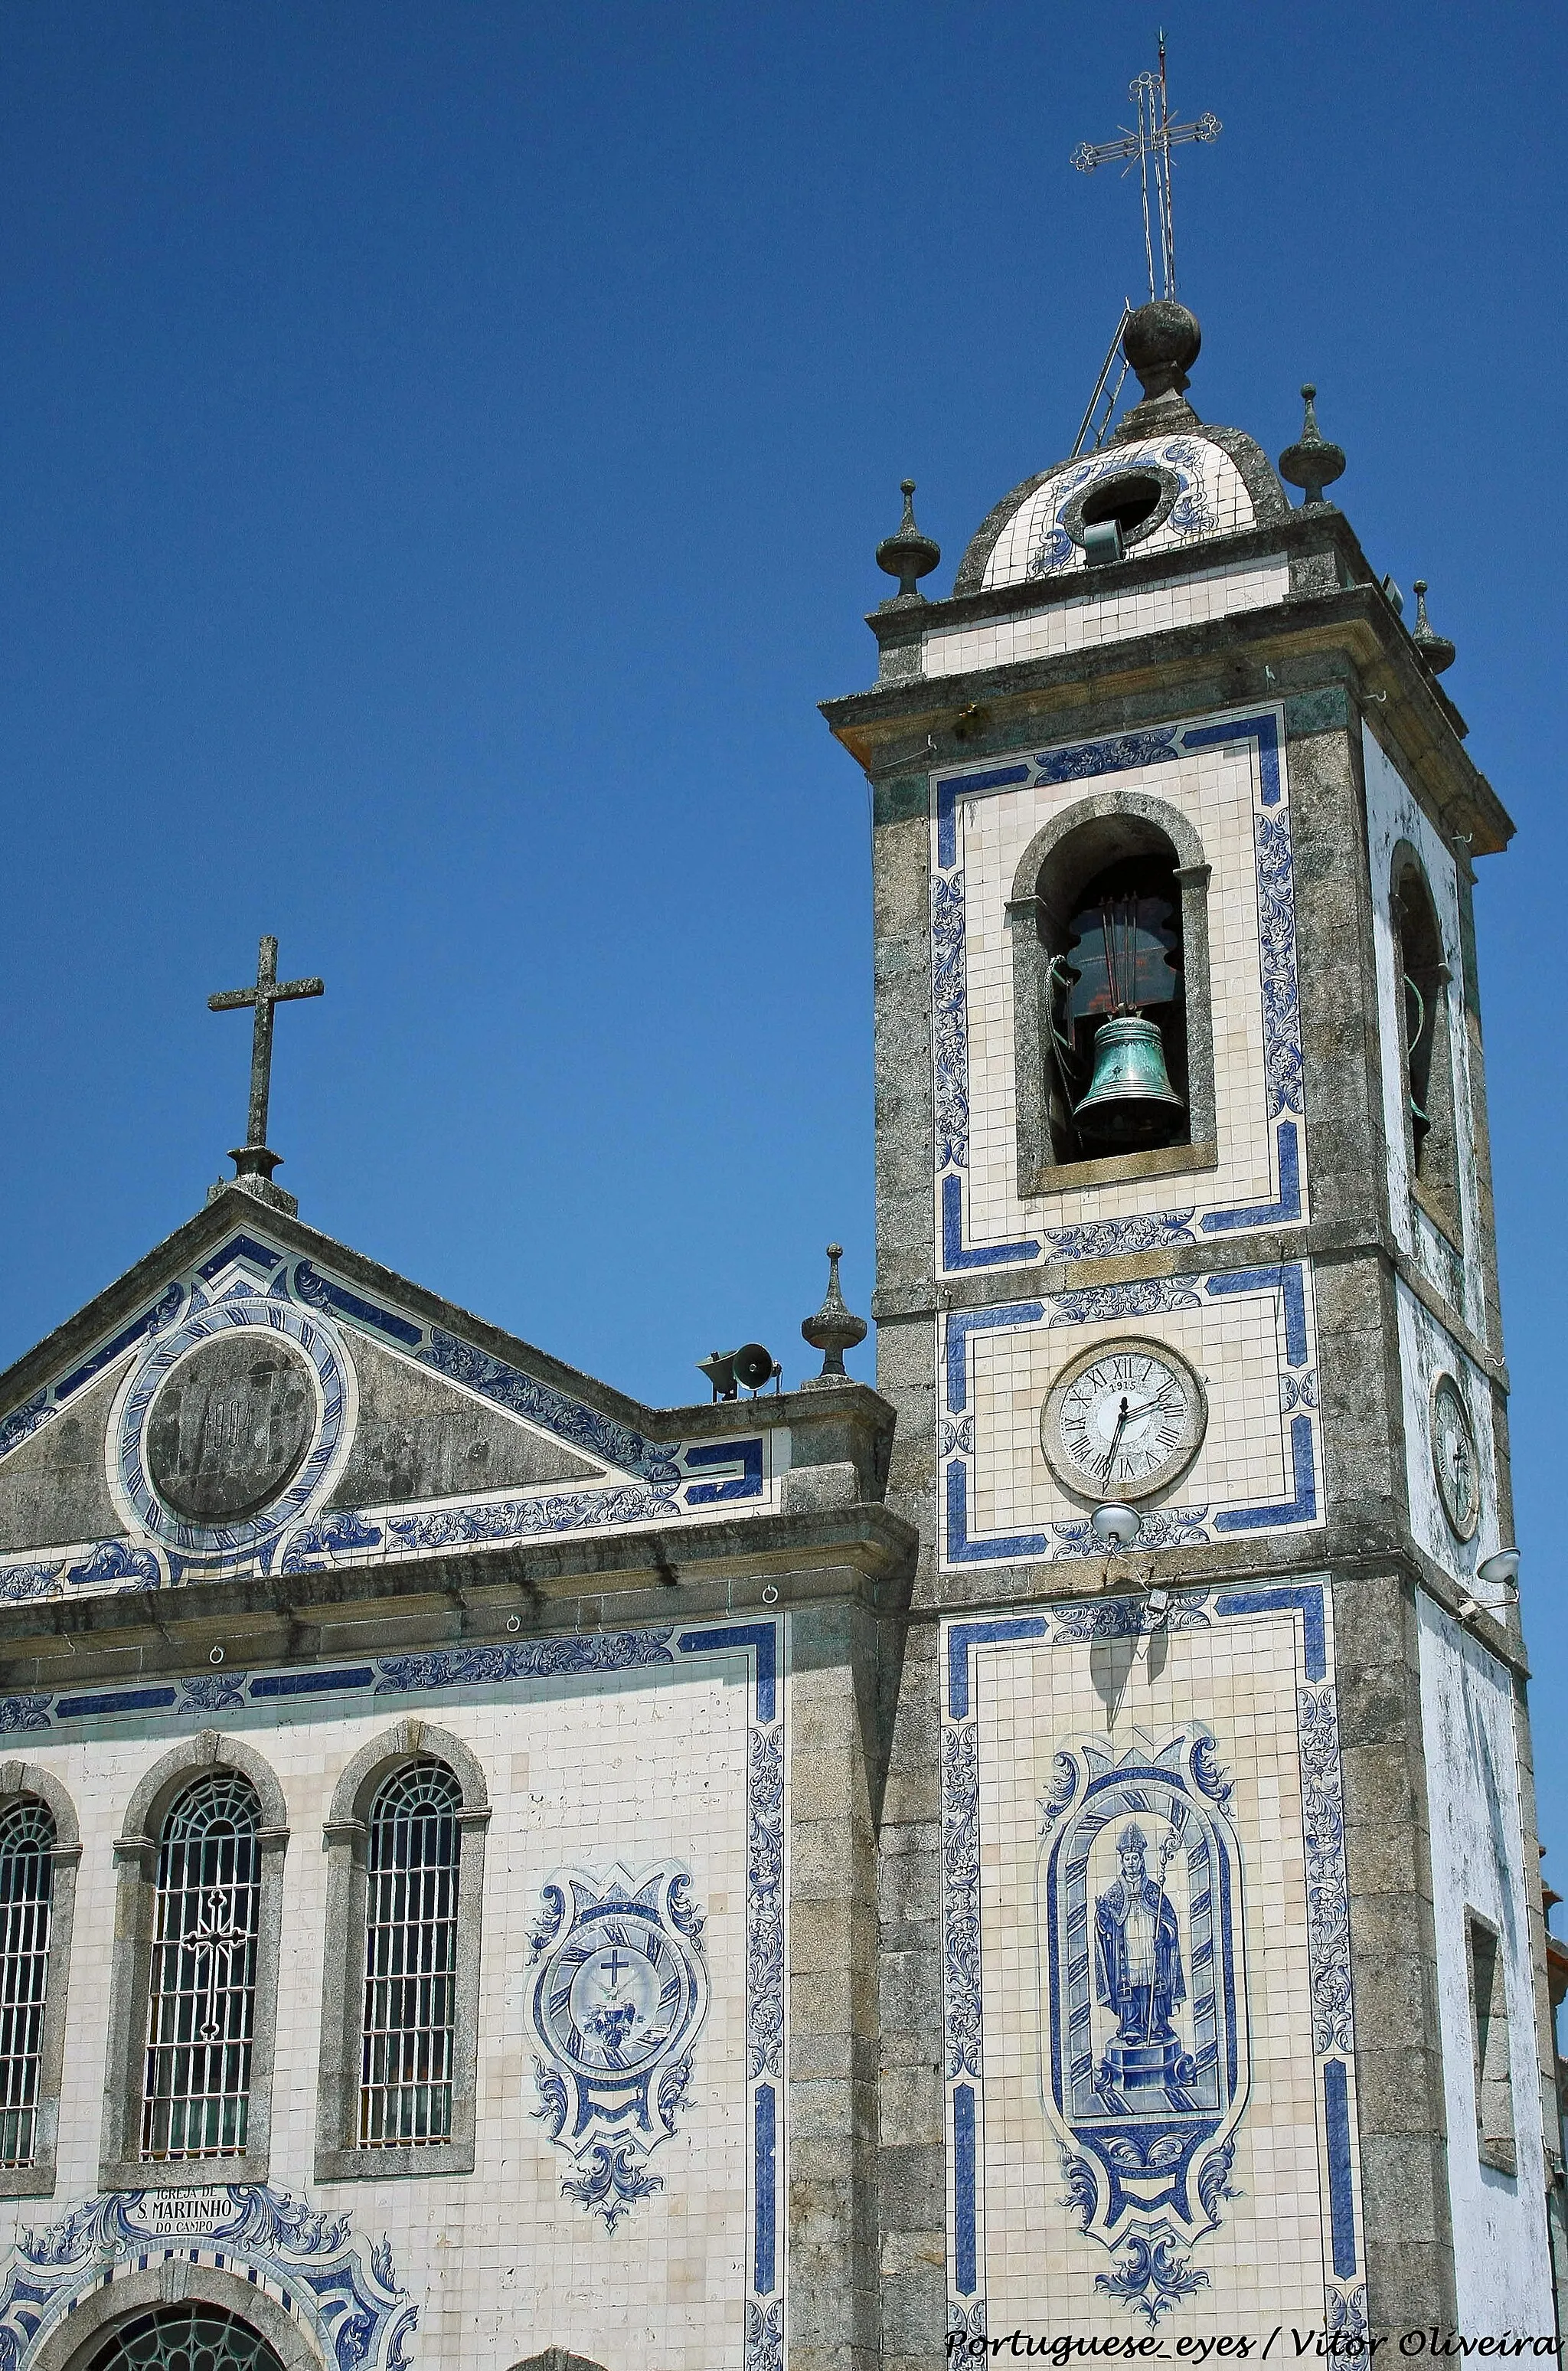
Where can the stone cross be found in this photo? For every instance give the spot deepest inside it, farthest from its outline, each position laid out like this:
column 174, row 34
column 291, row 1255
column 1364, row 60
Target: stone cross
column 254, row 1159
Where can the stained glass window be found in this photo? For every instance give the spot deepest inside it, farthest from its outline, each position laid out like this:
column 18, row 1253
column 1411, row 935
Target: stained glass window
column 186, row 2338
column 26, row 1889
column 409, row 2031
column 202, row 2012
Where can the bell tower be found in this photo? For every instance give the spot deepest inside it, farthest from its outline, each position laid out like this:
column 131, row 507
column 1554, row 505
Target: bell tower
column 1213, row 1978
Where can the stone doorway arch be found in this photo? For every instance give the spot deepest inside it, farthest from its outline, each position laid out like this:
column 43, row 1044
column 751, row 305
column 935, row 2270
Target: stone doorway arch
column 555, row 2358
column 76, row 2343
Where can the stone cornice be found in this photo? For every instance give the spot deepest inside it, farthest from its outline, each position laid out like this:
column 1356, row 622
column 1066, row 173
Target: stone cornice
column 1317, row 1241
column 1344, row 635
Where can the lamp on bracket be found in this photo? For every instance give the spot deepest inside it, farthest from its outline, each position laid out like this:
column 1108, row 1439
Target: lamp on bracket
column 1501, row 1572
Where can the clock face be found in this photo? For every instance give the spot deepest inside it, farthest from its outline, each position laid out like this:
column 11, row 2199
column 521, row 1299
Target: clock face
column 1455, row 1461
column 1123, row 1421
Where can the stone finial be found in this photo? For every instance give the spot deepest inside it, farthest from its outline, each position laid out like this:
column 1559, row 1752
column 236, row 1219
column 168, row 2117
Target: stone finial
column 1161, row 342
column 908, row 555
column 1436, row 650
column 1311, row 462
column 834, row 1329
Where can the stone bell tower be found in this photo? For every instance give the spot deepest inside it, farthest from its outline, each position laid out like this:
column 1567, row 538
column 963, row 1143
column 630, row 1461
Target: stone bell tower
column 1213, row 1947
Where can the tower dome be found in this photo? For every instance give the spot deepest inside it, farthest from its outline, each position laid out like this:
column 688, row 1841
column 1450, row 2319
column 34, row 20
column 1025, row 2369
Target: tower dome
column 1164, row 476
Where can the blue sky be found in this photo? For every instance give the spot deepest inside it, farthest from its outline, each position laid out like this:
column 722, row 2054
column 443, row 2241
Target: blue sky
column 440, row 455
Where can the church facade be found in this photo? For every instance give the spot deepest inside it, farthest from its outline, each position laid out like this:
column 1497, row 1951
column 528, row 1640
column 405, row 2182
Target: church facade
column 493, row 1875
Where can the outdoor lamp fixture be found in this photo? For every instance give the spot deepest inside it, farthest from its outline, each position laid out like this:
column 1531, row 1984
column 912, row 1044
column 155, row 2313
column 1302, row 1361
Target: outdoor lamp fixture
column 1499, row 1571
column 1115, row 1526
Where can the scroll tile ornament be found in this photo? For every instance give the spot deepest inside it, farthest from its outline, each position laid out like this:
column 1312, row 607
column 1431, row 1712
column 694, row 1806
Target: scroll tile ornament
column 1144, row 2048
column 339, row 2288
column 617, row 1998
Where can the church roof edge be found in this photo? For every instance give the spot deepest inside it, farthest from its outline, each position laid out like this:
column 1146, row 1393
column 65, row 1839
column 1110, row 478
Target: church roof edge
column 235, row 1210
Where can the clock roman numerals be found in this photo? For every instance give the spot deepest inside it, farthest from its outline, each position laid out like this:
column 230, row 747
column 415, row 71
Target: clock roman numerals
column 1126, row 1420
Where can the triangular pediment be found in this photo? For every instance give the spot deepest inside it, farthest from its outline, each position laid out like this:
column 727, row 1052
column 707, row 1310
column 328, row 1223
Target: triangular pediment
column 256, row 1397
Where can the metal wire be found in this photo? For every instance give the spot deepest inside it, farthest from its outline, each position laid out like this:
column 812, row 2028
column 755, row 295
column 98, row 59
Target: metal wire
column 186, row 2338
column 26, row 1894
column 202, row 2013
column 409, row 2033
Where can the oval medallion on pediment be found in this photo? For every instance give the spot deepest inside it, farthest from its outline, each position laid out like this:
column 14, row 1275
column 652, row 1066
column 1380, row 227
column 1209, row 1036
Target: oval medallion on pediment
column 230, row 1425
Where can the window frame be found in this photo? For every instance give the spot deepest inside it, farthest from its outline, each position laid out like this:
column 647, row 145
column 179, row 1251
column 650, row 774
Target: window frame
column 1039, row 1087
column 340, row 2154
column 1491, row 2053
column 19, row 1779
column 121, row 2166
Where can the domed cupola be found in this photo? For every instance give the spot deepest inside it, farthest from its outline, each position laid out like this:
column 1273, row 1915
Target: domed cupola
column 1161, row 482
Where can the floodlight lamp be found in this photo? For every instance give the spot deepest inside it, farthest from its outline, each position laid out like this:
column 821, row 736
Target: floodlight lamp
column 1115, row 1526
column 1500, row 1571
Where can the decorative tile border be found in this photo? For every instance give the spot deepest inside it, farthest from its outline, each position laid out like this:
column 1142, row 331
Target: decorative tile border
column 1159, row 1527
column 586, row 1654
column 246, row 1282
column 965, row 1643
column 340, row 2288
column 1089, row 761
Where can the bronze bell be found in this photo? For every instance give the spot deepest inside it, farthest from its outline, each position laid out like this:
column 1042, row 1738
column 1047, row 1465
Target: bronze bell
column 1130, row 1093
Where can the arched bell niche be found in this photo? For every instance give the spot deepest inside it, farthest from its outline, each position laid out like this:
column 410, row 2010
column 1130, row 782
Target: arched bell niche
column 1110, row 914
column 1426, row 1051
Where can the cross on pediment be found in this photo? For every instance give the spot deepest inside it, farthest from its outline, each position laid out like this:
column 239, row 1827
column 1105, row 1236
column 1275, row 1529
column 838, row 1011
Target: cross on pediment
column 253, row 1159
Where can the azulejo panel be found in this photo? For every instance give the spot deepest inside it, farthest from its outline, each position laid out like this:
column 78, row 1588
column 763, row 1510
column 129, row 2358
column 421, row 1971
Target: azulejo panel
column 300, row 1318
column 343, row 2289
column 1134, row 1908
column 959, row 1251
column 966, row 1449
column 617, row 1992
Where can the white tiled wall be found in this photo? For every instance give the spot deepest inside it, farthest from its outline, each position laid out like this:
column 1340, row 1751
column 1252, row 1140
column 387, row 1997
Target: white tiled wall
column 1503, row 2276
column 1089, row 620
column 635, row 1767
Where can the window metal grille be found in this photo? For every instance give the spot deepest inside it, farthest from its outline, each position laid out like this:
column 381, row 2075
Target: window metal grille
column 186, row 2338
column 202, row 2008
column 27, row 1894
column 410, row 1955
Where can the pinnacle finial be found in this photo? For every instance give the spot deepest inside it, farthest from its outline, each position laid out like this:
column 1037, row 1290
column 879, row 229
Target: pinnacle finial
column 834, row 1329
column 908, row 555
column 1436, row 650
column 1311, row 462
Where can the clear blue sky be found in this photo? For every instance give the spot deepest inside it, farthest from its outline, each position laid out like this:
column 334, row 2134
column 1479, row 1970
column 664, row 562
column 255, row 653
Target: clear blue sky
column 441, row 454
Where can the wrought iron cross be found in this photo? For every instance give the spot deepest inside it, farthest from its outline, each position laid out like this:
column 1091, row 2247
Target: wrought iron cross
column 215, row 1935
column 1150, row 144
column 255, row 1160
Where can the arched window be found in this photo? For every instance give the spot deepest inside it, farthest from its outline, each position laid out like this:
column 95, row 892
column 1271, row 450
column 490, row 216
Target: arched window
column 186, row 2338
column 1109, row 921
column 398, row 2064
column 194, row 1985
column 409, row 2029
column 1426, row 1049
column 202, row 2005
column 27, row 1843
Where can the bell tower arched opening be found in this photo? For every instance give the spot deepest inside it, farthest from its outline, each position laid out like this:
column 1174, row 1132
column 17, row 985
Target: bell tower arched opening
column 1110, row 941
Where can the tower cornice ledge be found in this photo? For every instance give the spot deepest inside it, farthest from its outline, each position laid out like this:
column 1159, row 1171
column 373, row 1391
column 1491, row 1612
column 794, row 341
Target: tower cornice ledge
column 1349, row 638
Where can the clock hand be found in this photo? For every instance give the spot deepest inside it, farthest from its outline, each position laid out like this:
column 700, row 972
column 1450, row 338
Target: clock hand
column 1115, row 1441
